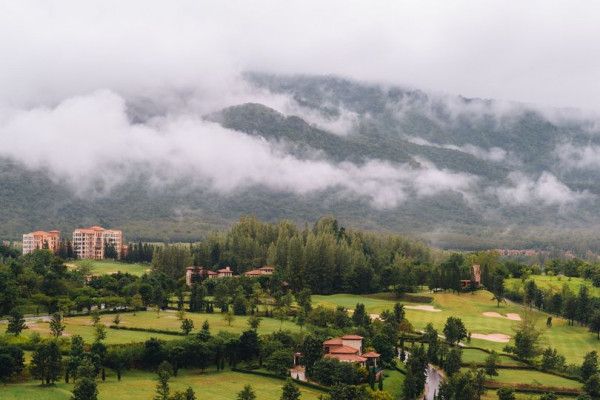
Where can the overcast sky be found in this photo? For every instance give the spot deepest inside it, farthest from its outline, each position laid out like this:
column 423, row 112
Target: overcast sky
column 541, row 52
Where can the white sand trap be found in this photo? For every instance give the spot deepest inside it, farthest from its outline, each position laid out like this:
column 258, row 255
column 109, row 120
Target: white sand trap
column 423, row 308
column 492, row 337
column 374, row 316
column 511, row 316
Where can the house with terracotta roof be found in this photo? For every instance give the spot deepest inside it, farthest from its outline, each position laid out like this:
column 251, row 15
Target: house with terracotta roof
column 348, row 348
column 207, row 273
column 225, row 272
column 259, row 272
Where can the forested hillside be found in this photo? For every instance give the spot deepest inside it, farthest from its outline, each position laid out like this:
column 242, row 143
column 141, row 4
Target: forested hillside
column 457, row 172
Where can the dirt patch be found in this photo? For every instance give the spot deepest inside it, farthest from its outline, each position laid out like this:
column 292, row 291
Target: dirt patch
column 423, row 308
column 492, row 337
column 511, row 316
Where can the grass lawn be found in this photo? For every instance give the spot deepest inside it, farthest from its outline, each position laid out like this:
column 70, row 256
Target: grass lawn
column 147, row 319
column 393, row 382
column 478, row 356
column 168, row 320
column 534, row 378
column 555, row 283
column 141, row 385
column 102, row 267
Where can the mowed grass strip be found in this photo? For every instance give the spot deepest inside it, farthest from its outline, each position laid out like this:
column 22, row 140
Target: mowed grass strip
column 167, row 320
column 534, row 378
column 106, row 267
column 141, row 385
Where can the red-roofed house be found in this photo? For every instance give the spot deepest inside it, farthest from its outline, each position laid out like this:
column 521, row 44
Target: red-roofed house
column 261, row 271
column 225, row 272
column 348, row 348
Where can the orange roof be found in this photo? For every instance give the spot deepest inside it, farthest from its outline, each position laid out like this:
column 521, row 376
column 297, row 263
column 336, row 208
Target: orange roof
column 347, row 357
column 227, row 269
column 352, row 337
column 43, row 233
column 333, row 342
column 267, row 268
column 254, row 272
column 371, row 354
column 211, row 273
column 193, row 267
column 343, row 350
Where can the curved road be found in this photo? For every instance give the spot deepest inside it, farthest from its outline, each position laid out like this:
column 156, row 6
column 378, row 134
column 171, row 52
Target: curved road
column 432, row 383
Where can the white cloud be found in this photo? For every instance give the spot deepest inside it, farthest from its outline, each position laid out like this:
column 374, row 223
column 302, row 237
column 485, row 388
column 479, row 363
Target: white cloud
column 495, row 154
column 578, row 157
column 88, row 139
column 546, row 190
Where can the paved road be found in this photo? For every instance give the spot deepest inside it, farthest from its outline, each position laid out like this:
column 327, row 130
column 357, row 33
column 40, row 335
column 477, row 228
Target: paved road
column 433, row 382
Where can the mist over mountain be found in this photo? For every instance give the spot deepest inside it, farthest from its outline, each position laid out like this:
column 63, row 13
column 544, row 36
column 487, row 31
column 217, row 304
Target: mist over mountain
column 458, row 172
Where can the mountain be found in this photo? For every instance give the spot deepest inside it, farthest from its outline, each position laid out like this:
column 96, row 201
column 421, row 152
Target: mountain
column 458, row 172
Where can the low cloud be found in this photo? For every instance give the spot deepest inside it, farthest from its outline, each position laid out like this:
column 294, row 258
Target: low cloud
column 90, row 139
column 495, row 154
column 546, row 190
column 578, row 157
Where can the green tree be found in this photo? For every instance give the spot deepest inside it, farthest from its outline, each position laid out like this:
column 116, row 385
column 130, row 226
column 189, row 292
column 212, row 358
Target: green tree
column 491, row 364
column 454, row 330
column 136, row 302
column 590, row 365
column 16, row 322
column 46, row 363
column 75, row 357
column 12, row 361
column 229, row 317
column 254, row 321
column 498, row 288
column 247, row 393
column 164, row 373
column 99, row 332
column 527, row 336
column 506, row 393
column 56, row 325
column 85, row 389
column 594, row 324
column 592, row 385
column 453, row 361
column 280, row 361
column 290, row 390
column 549, row 396
column 187, row 325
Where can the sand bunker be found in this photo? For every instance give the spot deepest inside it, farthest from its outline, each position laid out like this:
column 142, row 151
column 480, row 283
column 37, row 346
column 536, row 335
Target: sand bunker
column 423, row 308
column 511, row 316
column 492, row 337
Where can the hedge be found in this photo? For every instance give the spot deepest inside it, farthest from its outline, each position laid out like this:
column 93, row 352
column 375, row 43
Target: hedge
column 269, row 375
column 151, row 330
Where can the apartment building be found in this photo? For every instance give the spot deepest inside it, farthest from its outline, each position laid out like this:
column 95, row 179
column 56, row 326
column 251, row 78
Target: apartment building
column 90, row 242
column 39, row 240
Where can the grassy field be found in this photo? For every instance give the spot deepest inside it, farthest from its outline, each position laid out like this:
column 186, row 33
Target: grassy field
column 141, row 385
column 534, row 378
column 571, row 341
column 555, row 283
column 478, row 356
column 147, row 319
column 393, row 382
column 108, row 267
